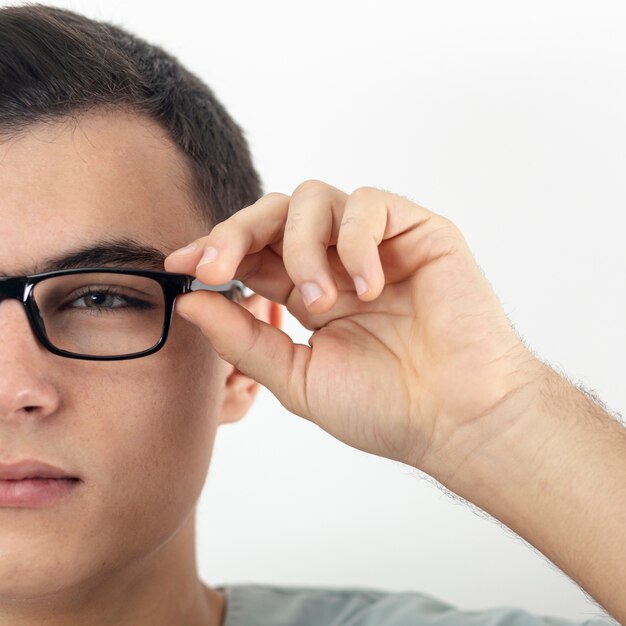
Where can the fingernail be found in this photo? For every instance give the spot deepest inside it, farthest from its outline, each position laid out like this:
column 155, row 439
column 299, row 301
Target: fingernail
column 192, row 247
column 210, row 254
column 360, row 284
column 310, row 292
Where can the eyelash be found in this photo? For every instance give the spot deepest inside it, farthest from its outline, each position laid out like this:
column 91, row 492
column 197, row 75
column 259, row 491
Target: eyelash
column 134, row 303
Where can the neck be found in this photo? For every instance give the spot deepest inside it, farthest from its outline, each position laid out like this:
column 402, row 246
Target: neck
column 161, row 589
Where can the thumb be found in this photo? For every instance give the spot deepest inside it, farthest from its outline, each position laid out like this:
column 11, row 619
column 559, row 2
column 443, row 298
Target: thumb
column 257, row 349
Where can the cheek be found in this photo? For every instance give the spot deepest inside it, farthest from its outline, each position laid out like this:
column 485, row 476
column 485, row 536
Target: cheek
column 148, row 431
column 160, row 416
column 141, row 434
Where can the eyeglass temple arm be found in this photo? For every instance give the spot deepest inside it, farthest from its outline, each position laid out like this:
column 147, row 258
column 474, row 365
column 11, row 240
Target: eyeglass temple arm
column 229, row 286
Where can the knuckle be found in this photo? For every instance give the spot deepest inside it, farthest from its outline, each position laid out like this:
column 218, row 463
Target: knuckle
column 215, row 235
column 364, row 192
column 448, row 224
column 311, row 186
column 293, row 222
column 348, row 220
column 443, row 241
column 276, row 194
column 349, row 230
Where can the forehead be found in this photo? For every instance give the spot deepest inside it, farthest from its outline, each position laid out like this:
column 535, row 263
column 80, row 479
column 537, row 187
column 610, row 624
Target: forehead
column 103, row 175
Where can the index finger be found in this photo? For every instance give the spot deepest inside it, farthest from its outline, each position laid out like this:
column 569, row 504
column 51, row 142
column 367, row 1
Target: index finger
column 245, row 232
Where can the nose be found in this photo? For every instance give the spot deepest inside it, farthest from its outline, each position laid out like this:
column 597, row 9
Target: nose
column 25, row 385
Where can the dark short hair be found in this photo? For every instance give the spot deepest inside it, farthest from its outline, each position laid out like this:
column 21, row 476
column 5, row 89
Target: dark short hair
column 55, row 63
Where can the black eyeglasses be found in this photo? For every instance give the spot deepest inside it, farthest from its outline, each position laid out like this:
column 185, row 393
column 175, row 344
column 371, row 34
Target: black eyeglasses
column 104, row 314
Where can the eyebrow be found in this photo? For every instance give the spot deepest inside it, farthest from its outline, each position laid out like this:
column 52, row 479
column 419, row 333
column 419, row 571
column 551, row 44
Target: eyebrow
column 121, row 252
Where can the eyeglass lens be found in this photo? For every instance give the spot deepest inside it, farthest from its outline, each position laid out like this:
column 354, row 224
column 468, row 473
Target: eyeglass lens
column 101, row 314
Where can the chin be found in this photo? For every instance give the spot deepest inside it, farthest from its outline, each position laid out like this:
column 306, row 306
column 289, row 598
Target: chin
column 29, row 581
column 35, row 568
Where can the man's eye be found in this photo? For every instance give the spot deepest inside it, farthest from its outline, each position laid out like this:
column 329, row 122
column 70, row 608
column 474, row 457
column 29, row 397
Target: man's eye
column 99, row 299
column 102, row 299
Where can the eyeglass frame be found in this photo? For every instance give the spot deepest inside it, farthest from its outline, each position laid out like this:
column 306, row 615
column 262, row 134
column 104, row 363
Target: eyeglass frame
column 173, row 284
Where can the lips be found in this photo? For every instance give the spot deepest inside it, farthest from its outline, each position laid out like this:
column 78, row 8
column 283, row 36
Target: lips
column 31, row 469
column 34, row 484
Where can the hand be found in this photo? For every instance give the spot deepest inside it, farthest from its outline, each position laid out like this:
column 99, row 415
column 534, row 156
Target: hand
column 400, row 371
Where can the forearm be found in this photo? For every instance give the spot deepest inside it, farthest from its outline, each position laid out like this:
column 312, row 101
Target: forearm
column 553, row 469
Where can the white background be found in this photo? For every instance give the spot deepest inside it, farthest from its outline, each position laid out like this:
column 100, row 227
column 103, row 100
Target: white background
column 506, row 117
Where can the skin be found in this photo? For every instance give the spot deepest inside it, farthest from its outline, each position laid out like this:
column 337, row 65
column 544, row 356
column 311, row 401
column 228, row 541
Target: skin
column 423, row 368
column 120, row 549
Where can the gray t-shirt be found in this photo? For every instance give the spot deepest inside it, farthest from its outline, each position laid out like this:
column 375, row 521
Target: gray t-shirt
column 267, row 605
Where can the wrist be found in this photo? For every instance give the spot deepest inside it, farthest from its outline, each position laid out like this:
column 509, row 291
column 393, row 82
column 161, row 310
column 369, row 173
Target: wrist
column 464, row 458
column 502, row 449
column 550, row 464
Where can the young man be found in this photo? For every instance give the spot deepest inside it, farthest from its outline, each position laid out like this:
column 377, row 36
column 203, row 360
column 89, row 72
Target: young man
column 113, row 158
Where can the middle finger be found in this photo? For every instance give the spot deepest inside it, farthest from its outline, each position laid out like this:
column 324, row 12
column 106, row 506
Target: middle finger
column 315, row 211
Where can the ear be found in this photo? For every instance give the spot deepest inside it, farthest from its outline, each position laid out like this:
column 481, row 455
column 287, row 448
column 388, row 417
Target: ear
column 241, row 390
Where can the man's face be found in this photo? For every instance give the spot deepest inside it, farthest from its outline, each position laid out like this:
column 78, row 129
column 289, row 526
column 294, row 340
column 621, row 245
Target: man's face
column 139, row 433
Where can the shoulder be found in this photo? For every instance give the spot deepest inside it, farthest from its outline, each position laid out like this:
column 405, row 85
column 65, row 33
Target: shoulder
column 268, row 605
